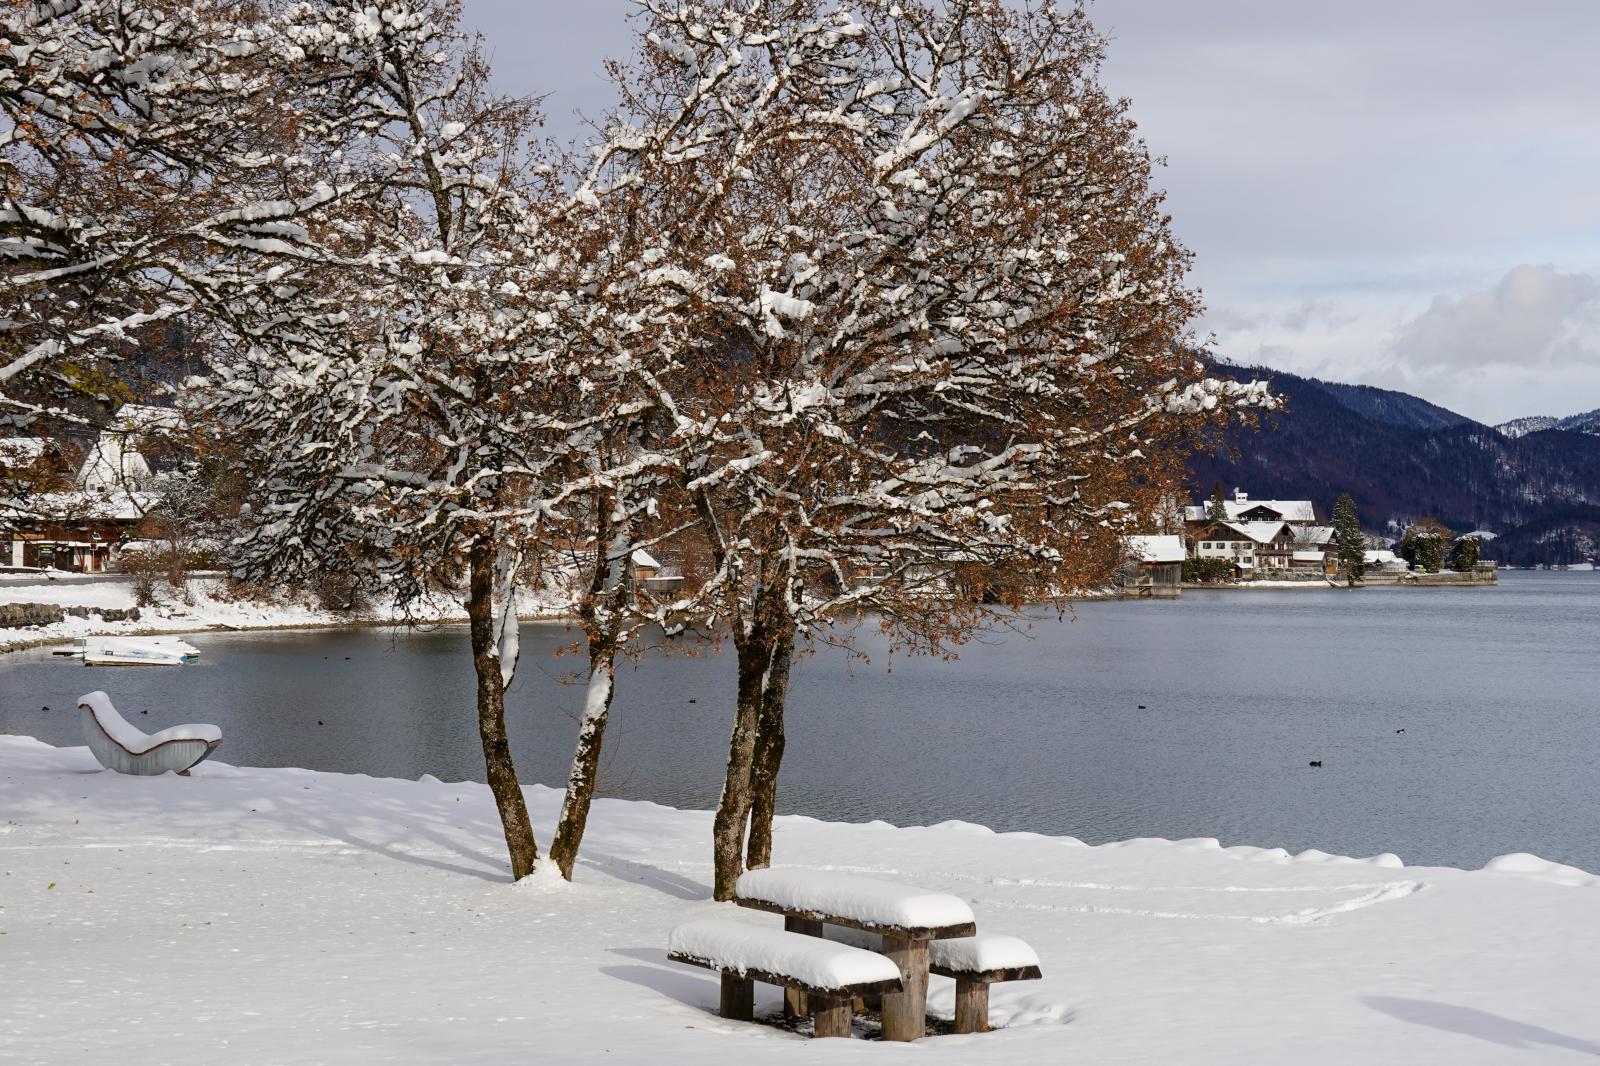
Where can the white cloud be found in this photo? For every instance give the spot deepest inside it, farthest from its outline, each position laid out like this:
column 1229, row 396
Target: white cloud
column 1534, row 315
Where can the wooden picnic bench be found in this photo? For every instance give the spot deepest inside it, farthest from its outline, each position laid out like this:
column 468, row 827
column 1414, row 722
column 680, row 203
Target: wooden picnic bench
column 907, row 918
column 976, row 963
column 830, row 975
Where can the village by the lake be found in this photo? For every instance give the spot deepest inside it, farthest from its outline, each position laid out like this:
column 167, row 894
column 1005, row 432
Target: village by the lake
column 798, row 531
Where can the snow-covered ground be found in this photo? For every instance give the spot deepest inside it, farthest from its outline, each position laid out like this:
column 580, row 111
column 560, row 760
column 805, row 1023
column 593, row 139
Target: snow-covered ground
column 212, row 608
column 285, row 916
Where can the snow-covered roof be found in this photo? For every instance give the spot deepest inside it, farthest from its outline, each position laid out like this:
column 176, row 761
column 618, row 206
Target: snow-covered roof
column 1308, row 557
column 1155, row 549
column 1478, row 534
column 87, row 506
column 1288, row 510
column 20, row 451
column 144, row 418
column 644, row 558
column 1373, row 558
column 1259, row 532
column 1316, row 535
column 111, row 464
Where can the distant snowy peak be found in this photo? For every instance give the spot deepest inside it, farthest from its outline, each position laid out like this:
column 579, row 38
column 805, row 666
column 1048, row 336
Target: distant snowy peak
column 1521, row 427
column 1588, row 422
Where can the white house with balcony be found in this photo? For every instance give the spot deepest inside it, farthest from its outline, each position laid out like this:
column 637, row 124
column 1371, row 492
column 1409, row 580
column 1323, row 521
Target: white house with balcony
column 1262, row 545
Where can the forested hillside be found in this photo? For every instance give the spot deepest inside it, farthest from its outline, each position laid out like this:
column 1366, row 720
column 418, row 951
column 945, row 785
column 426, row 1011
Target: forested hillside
column 1402, row 457
column 1587, row 422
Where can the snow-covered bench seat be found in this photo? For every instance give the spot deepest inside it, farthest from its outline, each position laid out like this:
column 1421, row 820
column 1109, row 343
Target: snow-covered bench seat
column 906, row 917
column 976, row 962
column 128, row 750
column 831, row 975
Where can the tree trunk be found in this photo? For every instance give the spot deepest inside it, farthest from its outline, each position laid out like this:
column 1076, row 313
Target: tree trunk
column 610, row 587
column 490, row 598
column 733, row 812
column 585, row 759
column 768, row 753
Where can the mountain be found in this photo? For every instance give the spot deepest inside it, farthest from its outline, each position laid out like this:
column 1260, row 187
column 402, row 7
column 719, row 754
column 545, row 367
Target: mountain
column 1521, row 427
column 1394, row 408
column 1401, row 457
column 1567, row 536
column 1588, row 422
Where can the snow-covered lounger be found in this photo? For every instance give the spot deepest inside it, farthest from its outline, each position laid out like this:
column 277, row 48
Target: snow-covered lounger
column 976, row 962
column 121, row 747
column 831, row 975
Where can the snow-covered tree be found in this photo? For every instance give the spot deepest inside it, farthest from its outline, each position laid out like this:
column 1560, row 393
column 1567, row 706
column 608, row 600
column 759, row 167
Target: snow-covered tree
column 1464, row 554
column 414, row 423
column 917, row 319
column 1426, row 544
column 621, row 518
column 1350, row 540
column 154, row 159
column 1216, row 507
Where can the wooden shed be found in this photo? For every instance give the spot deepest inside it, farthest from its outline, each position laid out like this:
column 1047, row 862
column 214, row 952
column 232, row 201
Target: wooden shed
column 1153, row 566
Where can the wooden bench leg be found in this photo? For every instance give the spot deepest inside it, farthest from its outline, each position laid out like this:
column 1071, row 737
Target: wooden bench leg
column 905, row 1014
column 873, row 1002
column 738, row 998
column 832, row 1015
column 972, row 1005
column 795, row 1006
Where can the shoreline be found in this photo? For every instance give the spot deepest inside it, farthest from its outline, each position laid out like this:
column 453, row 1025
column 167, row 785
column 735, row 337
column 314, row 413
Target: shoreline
column 265, row 627
column 210, row 613
column 1443, row 579
column 1514, row 862
column 377, row 914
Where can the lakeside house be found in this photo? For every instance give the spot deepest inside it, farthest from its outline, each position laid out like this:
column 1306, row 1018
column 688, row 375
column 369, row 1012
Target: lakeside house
column 1297, row 514
column 79, row 512
column 1261, row 536
column 1260, row 545
column 1153, row 566
column 1383, row 561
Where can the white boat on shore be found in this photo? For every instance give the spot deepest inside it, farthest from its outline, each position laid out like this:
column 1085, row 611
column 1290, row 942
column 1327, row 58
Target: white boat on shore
column 133, row 651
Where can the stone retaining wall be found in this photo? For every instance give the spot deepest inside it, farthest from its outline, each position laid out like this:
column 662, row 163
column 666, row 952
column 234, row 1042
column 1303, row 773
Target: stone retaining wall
column 18, row 615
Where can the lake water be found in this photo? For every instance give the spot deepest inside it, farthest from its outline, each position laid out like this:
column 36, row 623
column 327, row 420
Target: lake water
column 1139, row 718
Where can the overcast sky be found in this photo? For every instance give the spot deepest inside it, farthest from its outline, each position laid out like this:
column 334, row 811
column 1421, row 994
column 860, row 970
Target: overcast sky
column 1404, row 194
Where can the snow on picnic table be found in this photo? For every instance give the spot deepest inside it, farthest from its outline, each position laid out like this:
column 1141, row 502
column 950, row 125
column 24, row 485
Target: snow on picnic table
column 983, row 953
column 862, row 899
column 740, row 947
column 283, row 916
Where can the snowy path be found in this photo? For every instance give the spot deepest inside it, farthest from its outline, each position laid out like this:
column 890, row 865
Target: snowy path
column 264, row 916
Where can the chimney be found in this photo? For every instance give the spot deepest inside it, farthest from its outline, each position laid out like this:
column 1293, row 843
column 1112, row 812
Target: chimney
column 1240, row 496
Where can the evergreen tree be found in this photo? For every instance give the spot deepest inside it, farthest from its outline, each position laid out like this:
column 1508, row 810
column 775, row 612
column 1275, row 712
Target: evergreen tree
column 1464, row 556
column 1426, row 544
column 1349, row 538
column 1216, row 510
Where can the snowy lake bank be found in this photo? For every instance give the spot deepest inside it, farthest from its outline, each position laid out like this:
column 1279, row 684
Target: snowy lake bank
column 277, row 915
column 1043, row 732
